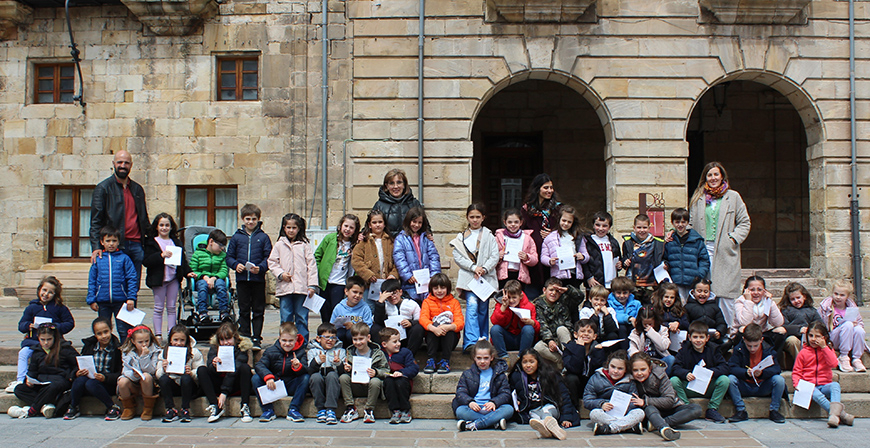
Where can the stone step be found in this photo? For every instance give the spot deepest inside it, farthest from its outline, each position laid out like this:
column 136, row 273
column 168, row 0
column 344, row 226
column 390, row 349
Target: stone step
column 769, row 273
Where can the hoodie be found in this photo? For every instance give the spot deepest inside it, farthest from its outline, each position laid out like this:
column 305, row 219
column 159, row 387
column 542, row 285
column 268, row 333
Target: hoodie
column 510, row 321
column 276, row 364
column 59, row 314
column 314, row 351
column 254, row 248
column 815, row 365
column 626, row 311
column 359, row 313
column 146, row 363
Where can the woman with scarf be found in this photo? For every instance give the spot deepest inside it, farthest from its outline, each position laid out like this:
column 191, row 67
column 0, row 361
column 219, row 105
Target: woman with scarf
column 541, row 215
column 719, row 215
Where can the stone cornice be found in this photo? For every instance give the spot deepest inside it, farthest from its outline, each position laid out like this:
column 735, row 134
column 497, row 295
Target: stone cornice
column 536, row 10
column 172, row 17
column 761, row 12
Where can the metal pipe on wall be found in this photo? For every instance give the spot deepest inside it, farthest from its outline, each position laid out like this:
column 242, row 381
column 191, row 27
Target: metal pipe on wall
column 420, row 121
column 324, row 112
column 853, row 203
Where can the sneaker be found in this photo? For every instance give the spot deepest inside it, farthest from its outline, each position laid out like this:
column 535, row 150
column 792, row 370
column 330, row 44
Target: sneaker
column 463, row 425
column 171, row 416
column 113, row 413
column 71, row 413
column 246, row 414
column 637, row 429
column 330, row 417
column 858, row 365
column 18, row 411
column 460, row 425
column 48, row 410
column 502, row 424
column 430, row 366
column 214, row 414
column 268, row 415
column 555, row 428
column 397, row 416
column 776, row 417
column 650, row 427
column 538, row 425
column 843, row 362
column 10, row 389
column 256, row 345
column 294, row 415
column 601, row 429
column 669, row 433
column 350, row 415
column 739, row 416
column 321, row 416
column 714, row 416
column 185, row 416
column 406, row 417
column 443, row 367
column 369, row 416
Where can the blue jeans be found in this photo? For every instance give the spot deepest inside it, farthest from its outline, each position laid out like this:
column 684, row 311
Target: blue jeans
column 504, row 340
column 669, row 362
column 134, row 250
column 109, row 311
column 827, row 394
column 220, row 292
column 773, row 387
column 296, row 386
column 293, row 311
column 476, row 319
column 485, row 420
column 23, row 362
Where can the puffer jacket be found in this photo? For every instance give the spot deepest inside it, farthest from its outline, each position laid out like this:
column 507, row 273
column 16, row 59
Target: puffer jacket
column 40, row 369
column 240, row 360
column 739, row 362
column 276, row 363
column 60, row 316
column 657, row 391
column 815, row 365
column 687, row 260
column 365, row 261
column 146, row 363
column 508, row 320
column 744, row 314
column 595, row 267
column 107, row 208
column 155, row 268
column 434, row 306
column 255, row 248
column 528, row 247
column 551, row 245
column 112, row 278
column 708, row 312
column 487, row 258
column 405, row 258
column 469, row 383
column 297, row 258
column 519, row 382
column 797, row 318
column 624, row 312
column 203, row 263
column 315, row 349
column 599, row 389
column 195, row 361
column 395, row 208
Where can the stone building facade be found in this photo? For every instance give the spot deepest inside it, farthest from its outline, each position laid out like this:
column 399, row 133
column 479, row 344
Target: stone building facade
column 614, row 98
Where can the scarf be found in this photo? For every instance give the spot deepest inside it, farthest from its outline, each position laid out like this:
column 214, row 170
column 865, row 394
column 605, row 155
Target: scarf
column 542, row 213
column 508, row 233
column 711, row 194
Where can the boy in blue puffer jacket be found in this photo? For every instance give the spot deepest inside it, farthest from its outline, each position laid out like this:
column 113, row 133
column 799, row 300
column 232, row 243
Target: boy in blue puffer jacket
column 685, row 254
column 250, row 244
column 113, row 281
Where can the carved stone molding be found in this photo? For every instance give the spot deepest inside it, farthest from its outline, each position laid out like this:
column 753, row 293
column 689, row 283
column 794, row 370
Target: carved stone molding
column 13, row 14
column 172, row 17
column 761, row 12
column 519, row 11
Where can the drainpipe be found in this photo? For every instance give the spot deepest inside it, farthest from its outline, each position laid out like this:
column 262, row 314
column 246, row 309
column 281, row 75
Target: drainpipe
column 324, row 112
column 420, row 121
column 853, row 204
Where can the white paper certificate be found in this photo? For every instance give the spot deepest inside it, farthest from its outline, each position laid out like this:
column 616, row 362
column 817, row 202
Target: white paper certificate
column 522, row 313
column 702, row 379
column 269, row 396
column 374, row 291
column 314, row 303
column 620, row 401
column 512, row 249
column 226, row 353
column 803, row 394
column 661, row 274
column 177, row 357
column 359, row 369
column 133, row 318
column 422, row 276
column 851, row 314
column 39, row 320
column 396, row 322
column 481, row 288
column 566, row 257
column 175, row 258
column 87, row 362
column 677, row 340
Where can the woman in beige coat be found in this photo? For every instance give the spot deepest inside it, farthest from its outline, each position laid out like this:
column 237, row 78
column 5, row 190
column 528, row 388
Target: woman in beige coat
column 719, row 215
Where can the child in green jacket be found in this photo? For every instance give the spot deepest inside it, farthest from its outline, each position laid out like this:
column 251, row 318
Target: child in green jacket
column 209, row 267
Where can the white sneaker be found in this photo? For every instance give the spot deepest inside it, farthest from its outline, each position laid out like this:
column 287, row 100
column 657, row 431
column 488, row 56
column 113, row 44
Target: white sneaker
column 10, row 389
column 246, row 414
column 858, row 365
column 214, row 414
column 18, row 411
column 844, row 365
column 555, row 429
column 48, row 410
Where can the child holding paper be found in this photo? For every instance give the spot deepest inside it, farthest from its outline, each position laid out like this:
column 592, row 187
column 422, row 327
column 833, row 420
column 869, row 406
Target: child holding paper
column 553, row 312
column 54, row 366
column 598, row 397
column 840, row 313
column 163, row 279
column 526, row 255
column 333, row 262
column 798, row 312
column 441, row 316
column 325, row 356
column 362, row 349
column 582, row 357
column 46, row 307
column 595, row 308
column 372, row 258
column 476, row 252
column 113, row 282
column 247, row 254
column 514, row 321
column 413, row 250
column 651, row 337
column 139, row 356
column 656, row 396
column 755, row 372
column 395, row 305
column 226, row 371
column 641, row 254
column 283, row 362
column 171, row 381
column 483, row 394
column 568, row 240
column 604, row 256
column 104, row 349
column 351, row 310
column 815, row 364
column 292, row 263
column 695, row 349
column 543, row 400
column 403, row 369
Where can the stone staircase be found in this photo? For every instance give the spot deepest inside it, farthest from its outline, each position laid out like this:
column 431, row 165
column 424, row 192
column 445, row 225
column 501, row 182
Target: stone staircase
column 777, row 279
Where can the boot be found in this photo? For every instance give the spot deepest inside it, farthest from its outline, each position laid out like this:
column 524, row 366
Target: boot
column 129, row 405
column 148, row 406
column 846, row 418
column 834, row 415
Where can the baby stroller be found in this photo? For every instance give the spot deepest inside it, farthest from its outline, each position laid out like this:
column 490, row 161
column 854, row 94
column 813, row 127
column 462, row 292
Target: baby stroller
column 193, row 236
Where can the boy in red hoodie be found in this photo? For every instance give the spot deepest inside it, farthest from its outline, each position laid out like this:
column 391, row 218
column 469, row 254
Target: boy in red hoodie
column 510, row 331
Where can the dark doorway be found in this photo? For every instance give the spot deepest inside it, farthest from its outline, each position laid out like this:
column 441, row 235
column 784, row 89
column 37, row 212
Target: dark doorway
column 758, row 136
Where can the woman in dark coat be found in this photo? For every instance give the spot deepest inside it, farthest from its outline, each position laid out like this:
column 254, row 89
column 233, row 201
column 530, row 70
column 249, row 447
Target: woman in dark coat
column 540, row 214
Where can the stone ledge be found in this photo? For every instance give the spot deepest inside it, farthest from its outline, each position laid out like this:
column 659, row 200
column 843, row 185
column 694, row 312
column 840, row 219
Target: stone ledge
column 172, row 17
column 518, row 11
column 13, row 14
column 754, row 12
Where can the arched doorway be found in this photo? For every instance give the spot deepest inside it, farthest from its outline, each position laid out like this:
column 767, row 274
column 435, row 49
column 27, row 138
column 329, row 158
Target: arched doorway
column 758, row 135
column 538, row 126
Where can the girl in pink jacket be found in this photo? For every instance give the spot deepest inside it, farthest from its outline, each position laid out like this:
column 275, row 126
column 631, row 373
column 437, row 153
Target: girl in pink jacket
column 528, row 255
column 292, row 262
column 569, row 235
column 756, row 306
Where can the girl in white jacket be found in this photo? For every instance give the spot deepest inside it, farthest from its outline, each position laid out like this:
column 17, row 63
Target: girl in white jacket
column 292, row 262
column 651, row 337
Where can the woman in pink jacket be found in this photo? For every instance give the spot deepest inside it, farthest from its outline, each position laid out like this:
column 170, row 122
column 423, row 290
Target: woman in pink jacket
column 756, row 306
column 292, row 262
column 528, row 256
